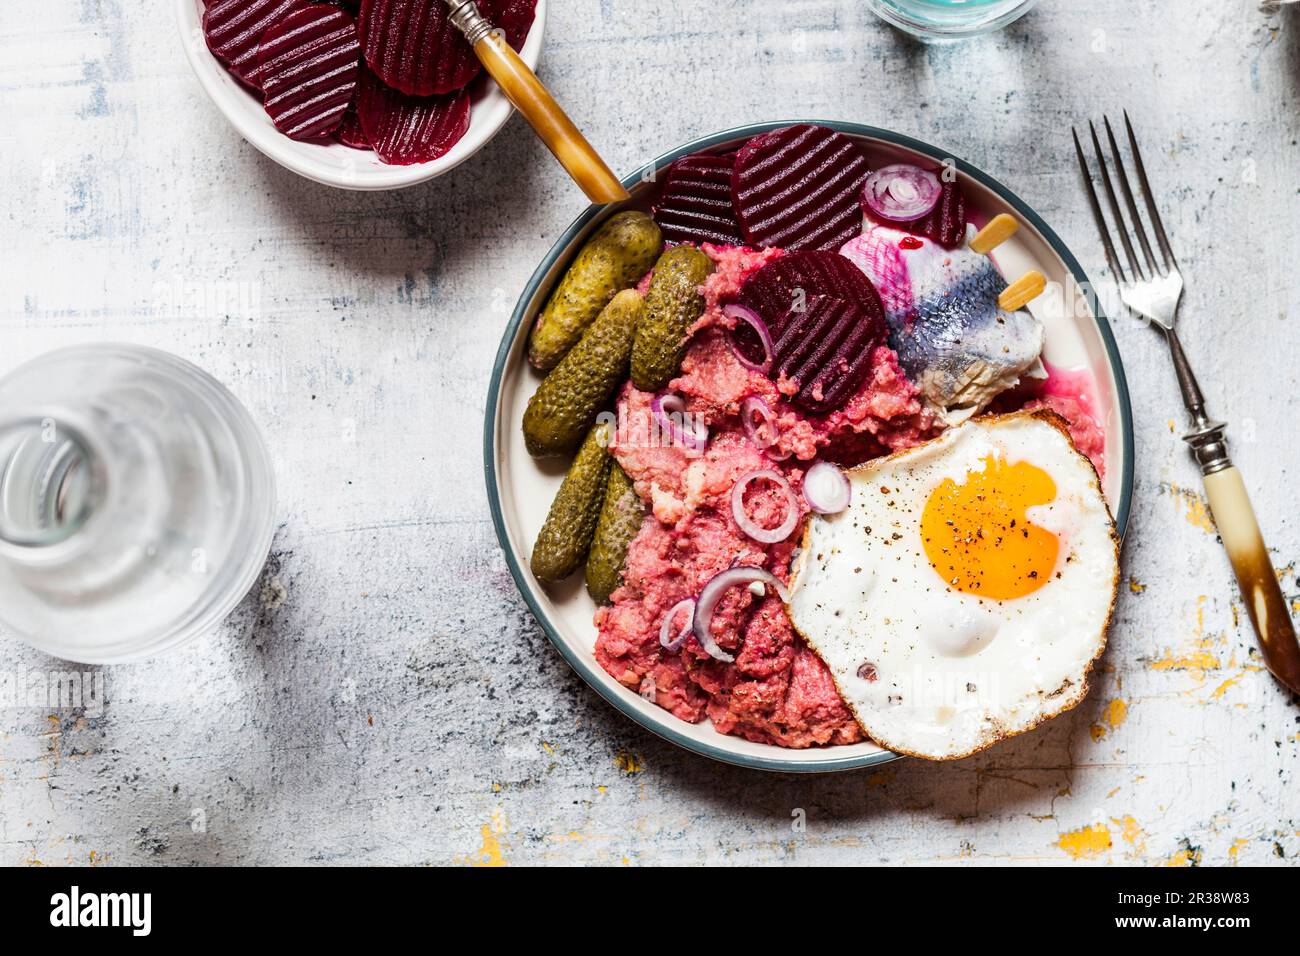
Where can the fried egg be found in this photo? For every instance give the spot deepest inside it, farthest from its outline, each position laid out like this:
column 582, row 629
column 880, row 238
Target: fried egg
column 965, row 592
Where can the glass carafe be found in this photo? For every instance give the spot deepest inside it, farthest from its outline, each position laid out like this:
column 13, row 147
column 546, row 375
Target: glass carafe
column 137, row 502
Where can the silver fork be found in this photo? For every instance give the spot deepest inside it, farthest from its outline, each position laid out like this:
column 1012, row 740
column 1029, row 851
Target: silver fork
column 1152, row 287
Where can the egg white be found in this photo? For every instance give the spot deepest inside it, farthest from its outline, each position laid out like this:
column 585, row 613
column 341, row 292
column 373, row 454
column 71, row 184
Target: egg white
column 932, row 671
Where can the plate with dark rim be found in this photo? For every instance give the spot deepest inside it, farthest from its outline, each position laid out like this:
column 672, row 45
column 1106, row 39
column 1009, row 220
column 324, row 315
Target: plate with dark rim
column 520, row 488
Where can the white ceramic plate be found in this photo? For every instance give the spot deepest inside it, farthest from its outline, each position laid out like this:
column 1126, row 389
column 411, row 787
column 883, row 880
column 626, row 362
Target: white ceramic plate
column 520, row 488
column 335, row 164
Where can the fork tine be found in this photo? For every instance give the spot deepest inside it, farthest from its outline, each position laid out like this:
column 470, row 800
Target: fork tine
column 1170, row 261
column 1111, row 258
column 1114, row 205
column 1128, row 198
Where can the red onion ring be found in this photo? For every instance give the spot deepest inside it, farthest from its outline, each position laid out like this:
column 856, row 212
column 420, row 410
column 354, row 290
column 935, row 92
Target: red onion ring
column 901, row 192
column 675, row 644
column 755, row 407
column 751, row 318
column 764, row 535
column 826, row 488
column 664, row 407
column 713, row 592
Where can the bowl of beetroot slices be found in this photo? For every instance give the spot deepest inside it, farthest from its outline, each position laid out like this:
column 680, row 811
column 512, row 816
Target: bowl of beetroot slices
column 358, row 94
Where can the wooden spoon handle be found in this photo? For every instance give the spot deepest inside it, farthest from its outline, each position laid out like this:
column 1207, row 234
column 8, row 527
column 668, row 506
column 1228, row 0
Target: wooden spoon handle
column 530, row 97
column 1238, row 528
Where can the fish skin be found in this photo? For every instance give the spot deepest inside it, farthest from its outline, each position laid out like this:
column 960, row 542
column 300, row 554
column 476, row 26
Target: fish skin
column 952, row 339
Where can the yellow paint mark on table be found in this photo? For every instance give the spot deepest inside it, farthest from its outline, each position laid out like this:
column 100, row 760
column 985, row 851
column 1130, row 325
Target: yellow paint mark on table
column 1136, row 586
column 1187, row 856
column 1227, row 685
column 1131, row 833
column 628, row 762
column 491, row 852
column 1234, row 680
column 1086, row 842
column 1196, row 510
column 1235, row 849
column 1198, row 658
column 1112, row 718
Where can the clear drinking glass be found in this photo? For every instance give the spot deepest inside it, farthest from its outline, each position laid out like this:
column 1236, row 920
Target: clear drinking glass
column 950, row 19
column 137, row 502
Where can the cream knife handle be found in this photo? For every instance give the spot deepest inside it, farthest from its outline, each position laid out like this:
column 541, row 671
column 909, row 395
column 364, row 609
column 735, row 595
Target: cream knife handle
column 535, row 103
column 552, row 124
column 1268, row 610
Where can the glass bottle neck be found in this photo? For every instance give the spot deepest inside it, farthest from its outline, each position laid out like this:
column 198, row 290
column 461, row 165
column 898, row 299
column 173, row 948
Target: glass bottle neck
column 50, row 484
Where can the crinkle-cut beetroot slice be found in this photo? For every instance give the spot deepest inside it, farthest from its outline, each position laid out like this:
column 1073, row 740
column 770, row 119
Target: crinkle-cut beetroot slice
column 413, row 47
column 233, row 30
column 797, row 188
column 406, row 129
column 946, row 222
column 308, row 63
column 825, row 348
column 349, row 131
column 790, row 282
column 513, row 16
column 695, row 205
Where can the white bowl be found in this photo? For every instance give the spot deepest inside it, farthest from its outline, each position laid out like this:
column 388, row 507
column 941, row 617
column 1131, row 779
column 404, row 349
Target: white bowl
column 520, row 488
column 335, row 164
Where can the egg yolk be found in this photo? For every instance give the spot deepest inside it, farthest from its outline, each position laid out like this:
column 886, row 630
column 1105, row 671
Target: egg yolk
column 978, row 537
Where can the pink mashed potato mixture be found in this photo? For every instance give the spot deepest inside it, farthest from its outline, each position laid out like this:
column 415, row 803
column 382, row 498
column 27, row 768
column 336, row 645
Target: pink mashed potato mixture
column 777, row 691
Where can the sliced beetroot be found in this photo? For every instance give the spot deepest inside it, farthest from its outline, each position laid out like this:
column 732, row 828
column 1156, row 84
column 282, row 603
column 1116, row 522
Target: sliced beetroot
column 946, row 222
column 233, row 30
column 798, row 188
column 791, row 280
column 825, row 350
column 413, row 47
column 788, row 284
column 406, row 129
column 308, row 64
column 350, row 132
column 513, row 16
column 695, row 205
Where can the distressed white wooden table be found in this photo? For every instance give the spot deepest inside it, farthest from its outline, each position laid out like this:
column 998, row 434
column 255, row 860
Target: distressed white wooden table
column 384, row 696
